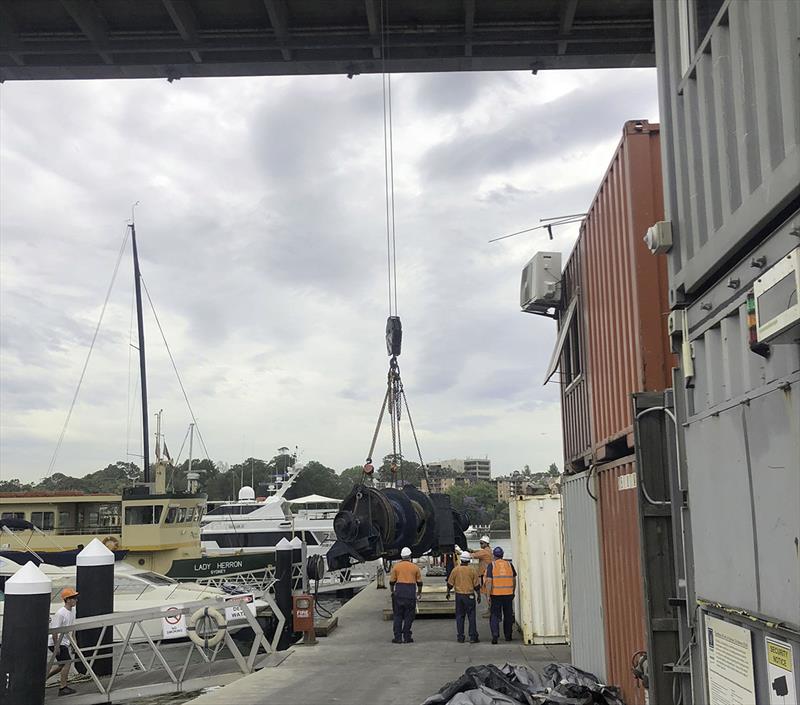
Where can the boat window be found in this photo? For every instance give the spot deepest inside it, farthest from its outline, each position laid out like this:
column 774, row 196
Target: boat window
column 64, row 519
column 287, row 512
column 130, row 585
column 249, row 539
column 181, row 515
column 156, row 578
column 148, row 514
column 12, row 515
column 172, row 515
column 43, row 520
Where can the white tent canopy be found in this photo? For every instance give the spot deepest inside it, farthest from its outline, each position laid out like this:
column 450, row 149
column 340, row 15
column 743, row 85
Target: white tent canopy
column 315, row 499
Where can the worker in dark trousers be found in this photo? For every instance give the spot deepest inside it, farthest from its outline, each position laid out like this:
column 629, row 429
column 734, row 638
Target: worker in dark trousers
column 465, row 581
column 405, row 583
column 500, row 583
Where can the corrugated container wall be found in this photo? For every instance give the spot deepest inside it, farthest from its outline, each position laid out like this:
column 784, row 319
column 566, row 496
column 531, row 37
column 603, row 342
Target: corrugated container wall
column 623, row 589
column 575, row 404
column 536, row 548
column 729, row 95
column 584, row 578
column 626, row 304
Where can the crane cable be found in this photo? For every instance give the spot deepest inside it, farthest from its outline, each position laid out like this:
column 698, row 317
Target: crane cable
column 395, row 398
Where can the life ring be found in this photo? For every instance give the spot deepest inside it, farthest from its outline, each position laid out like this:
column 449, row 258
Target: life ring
column 207, row 614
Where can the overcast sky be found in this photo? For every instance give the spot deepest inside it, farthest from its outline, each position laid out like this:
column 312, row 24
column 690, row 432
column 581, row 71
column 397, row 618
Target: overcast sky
column 261, row 231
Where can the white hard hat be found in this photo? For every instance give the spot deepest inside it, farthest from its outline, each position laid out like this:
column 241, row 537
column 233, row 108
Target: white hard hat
column 484, row 539
column 405, row 553
column 465, row 556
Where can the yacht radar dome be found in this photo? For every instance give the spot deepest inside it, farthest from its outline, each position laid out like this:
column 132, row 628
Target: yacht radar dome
column 247, row 494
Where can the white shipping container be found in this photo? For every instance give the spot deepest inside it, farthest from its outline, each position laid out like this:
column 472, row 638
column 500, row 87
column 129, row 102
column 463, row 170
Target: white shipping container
column 540, row 601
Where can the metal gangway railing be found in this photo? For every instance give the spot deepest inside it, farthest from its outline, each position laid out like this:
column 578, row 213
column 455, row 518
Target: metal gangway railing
column 146, row 662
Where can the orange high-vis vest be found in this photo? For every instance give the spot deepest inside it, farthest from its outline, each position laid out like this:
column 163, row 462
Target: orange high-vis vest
column 502, row 578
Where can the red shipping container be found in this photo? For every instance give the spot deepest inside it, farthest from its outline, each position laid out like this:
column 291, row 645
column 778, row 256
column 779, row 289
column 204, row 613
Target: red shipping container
column 623, row 586
column 626, row 301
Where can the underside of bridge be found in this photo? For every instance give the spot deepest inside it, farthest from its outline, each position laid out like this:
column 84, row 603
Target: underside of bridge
column 79, row 39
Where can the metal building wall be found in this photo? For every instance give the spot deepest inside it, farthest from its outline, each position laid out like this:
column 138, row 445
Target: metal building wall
column 742, row 445
column 626, row 301
column 584, row 577
column 576, row 417
column 730, row 105
column 731, row 131
column 623, row 589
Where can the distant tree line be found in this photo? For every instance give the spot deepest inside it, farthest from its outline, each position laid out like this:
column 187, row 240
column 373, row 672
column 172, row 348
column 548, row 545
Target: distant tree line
column 220, row 481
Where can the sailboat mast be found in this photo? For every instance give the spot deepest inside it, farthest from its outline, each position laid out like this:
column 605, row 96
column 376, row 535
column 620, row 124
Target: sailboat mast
column 137, row 275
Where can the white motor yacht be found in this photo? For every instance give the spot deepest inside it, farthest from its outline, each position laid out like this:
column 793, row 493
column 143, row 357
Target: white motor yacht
column 252, row 525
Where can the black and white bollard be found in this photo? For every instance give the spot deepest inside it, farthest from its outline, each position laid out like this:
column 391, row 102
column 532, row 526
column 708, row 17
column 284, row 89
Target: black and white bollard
column 283, row 589
column 26, row 619
column 95, row 586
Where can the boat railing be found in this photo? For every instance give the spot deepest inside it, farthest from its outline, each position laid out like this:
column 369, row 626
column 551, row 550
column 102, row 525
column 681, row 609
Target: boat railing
column 77, row 530
column 144, row 663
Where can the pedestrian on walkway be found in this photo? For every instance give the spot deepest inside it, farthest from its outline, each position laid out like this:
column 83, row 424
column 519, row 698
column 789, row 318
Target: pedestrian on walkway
column 404, row 580
column 58, row 643
column 500, row 584
column 464, row 580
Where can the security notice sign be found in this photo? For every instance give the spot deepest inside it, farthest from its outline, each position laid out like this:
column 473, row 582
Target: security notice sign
column 729, row 663
column 780, row 672
column 173, row 623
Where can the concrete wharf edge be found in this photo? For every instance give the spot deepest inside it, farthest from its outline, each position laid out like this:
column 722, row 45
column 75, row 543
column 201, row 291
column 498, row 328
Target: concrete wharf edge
column 358, row 664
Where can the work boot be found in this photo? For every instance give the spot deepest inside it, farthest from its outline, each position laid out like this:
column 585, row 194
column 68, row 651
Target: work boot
column 66, row 690
column 475, row 641
column 409, row 640
column 460, row 640
column 397, row 641
column 494, row 639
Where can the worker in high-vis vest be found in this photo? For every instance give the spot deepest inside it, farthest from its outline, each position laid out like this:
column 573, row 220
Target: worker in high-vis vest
column 484, row 556
column 404, row 581
column 500, row 583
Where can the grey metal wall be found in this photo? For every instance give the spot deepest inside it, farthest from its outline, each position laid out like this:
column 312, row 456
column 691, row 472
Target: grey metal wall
column 730, row 131
column 584, row 579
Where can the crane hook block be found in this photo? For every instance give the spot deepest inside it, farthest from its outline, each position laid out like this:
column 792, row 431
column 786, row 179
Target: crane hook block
column 394, row 336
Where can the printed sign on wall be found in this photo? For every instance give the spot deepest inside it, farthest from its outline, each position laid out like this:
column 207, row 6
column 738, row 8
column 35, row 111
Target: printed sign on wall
column 780, row 672
column 729, row 663
column 173, row 623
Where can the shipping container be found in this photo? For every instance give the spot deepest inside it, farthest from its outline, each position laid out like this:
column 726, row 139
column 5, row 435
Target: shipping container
column 613, row 318
column 626, row 304
column 576, row 411
column 584, row 577
column 729, row 93
column 623, row 589
column 540, row 604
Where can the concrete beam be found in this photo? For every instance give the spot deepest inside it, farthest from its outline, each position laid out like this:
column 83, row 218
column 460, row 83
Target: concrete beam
column 373, row 11
column 279, row 19
column 185, row 21
column 92, row 23
column 566, row 18
column 469, row 25
column 10, row 42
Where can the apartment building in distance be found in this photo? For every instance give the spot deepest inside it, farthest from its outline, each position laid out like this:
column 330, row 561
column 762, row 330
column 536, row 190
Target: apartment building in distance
column 471, row 469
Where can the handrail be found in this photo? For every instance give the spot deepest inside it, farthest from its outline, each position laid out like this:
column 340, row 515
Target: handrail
column 136, row 651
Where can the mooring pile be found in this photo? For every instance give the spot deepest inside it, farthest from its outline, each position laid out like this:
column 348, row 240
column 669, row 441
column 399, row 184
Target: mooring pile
column 556, row 684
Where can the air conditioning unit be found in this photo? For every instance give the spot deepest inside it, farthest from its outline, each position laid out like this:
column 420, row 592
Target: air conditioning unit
column 541, row 282
column 777, row 293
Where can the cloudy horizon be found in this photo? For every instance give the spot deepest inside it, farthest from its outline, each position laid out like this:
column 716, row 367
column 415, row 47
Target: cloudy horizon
column 261, row 230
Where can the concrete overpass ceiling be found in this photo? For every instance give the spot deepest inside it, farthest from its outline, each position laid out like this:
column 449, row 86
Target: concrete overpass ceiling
column 64, row 39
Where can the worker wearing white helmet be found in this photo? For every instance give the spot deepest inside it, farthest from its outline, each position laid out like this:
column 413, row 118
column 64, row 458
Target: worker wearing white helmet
column 404, row 577
column 465, row 581
column 485, row 558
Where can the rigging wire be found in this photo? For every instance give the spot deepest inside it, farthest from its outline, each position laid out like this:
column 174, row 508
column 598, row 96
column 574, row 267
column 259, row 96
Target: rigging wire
column 52, row 464
column 388, row 162
column 175, row 368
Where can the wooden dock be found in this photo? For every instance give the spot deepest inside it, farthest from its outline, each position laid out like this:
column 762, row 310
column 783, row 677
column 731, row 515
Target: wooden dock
column 359, row 664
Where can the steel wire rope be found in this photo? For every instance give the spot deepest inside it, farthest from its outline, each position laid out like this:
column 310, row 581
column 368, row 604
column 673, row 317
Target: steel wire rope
column 175, row 368
column 52, row 463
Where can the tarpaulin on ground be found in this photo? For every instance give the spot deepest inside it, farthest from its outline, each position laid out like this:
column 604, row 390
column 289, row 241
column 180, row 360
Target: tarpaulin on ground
column 555, row 684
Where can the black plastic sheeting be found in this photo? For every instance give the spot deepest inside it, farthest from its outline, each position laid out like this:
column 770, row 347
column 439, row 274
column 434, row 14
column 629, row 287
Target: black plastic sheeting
column 555, row 684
